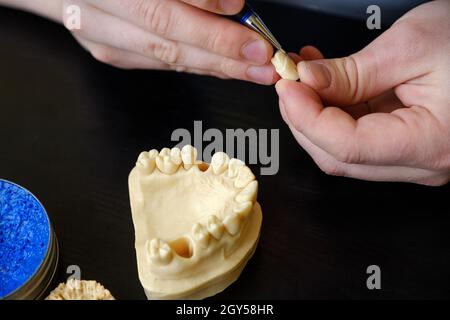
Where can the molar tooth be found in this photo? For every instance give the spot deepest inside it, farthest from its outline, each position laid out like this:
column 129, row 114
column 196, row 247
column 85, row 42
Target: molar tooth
column 188, row 156
column 232, row 223
column 200, row 235
column 249, row 193
column 175, row 156
column 164, row 152
column 233, row 167
column 146, row 165
column 244, row 208
column 142, row 155
column 244, row 177
column 219, row 162
column 165, row 164
column 215, row 227
column 153, row 153
column 158, row 251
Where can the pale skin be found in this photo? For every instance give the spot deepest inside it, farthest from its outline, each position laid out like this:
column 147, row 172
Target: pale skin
column 381, row 114
column 180, row 35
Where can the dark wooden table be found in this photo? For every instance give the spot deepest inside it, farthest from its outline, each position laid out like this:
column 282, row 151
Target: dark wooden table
column 71, row 129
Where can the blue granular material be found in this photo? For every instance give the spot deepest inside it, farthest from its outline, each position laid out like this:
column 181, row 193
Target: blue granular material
column 24, row 236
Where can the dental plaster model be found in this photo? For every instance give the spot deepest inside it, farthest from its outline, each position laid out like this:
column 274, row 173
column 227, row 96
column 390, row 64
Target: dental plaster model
column 80, row 290
column 284, row 66
column 196, row 224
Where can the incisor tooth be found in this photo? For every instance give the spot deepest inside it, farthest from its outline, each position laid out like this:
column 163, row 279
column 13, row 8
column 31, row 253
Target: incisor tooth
column 243, row 208
column 175, row 156
column 219, row 162
column 159, row 251
column 200, row 235
column 233, row 167
column 232, row 223
column 249, row 193
column 244, row 177
column 165, row 165
column 188, row 156
column 215, row 227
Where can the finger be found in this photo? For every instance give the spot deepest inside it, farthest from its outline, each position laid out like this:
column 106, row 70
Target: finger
column 295, row 57
column 393, row 58
column 311, row 53
column 331, row 166
column 385, row 103
column 218, row 6
column 403, row 136
column 181, row 22
column 128, row 60
column 126, row 36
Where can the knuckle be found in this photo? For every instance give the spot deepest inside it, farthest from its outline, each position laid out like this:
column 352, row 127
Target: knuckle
column 157, row 16
column 166, row 51
column 219, row 41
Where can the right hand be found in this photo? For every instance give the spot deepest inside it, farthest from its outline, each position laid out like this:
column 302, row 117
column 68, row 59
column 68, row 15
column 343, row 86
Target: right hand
column 180, row 35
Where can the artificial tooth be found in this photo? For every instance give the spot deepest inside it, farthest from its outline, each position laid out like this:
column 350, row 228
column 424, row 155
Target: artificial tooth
column 142, row 155
column 165, row 164
column 153, row 153
column 201, row 235
column 215, row 227
column 232, row 223
column 146, row 165
column 233, row 167
column 164, row 152
column 175, row 156
column 188, row 156
column 244, row 208
column 219, row 162
column 244, row 177
column 249, row 193
column 159, row 251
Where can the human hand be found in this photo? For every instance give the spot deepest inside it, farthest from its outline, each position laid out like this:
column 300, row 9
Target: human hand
column 181, row 35
column 388, row 106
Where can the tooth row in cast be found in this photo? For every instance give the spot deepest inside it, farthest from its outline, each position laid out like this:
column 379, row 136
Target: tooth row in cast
column 168, row 161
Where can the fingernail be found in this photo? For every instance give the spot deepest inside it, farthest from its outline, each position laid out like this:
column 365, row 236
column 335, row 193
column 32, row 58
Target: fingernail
column 230, row 6
column 316, row 71
column 262, row 75
column 255, row 51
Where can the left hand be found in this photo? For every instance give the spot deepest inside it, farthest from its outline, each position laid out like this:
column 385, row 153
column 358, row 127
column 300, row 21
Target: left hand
column 388, row 114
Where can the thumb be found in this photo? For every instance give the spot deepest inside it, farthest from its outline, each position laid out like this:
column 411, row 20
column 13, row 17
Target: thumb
column 390, row 60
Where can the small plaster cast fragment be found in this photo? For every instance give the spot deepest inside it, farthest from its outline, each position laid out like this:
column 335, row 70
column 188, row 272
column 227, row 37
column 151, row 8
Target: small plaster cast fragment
column 195, row 228
column 284, row 66
column 80, row 290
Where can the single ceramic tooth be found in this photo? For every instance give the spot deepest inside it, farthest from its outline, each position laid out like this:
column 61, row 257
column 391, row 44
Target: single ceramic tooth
column 159, row 251
column 232, row 223
column 146, row 165
column 243, row 208
column 175, row 156
column 219, row 162
column 153, row 153
column 201, row 235
column 143, row 155
column 164, row 152
column 188, row 156
column 244, row 177
column 165, row 165
column 215, row 227
column 233, row 167
column 249, row 193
